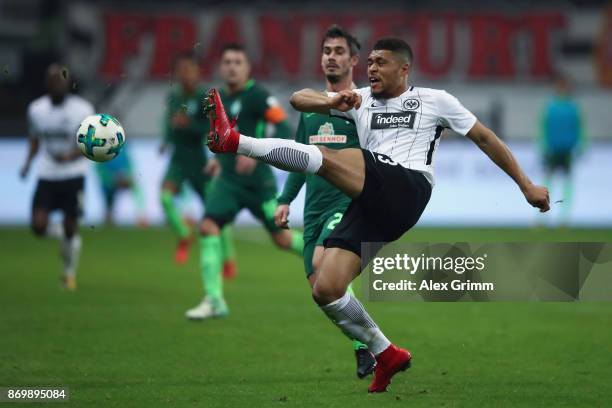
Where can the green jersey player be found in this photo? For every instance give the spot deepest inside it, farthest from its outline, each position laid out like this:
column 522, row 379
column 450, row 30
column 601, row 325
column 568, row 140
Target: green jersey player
column 185, row 126
column 325, row 204
column 242, row 181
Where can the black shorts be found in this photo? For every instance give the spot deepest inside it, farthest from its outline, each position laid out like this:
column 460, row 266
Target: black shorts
column 65, row 195
column 392, row 201
column 562, row 161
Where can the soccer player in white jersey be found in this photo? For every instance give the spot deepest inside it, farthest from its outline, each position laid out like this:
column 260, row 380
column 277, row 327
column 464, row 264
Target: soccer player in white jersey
column 389, row 179
column 53, row 120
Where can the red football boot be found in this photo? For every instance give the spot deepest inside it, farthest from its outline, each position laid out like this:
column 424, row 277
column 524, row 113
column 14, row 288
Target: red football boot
column 229, row 270
column 223, row 138
column 389, row 362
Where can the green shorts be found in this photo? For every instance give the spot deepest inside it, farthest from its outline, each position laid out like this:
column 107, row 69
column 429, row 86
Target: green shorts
column 183, row 170
column 316, row 230
column 225, row 199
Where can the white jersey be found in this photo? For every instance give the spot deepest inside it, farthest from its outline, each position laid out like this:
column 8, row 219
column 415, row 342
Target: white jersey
column 56, row 127
column 407, row 128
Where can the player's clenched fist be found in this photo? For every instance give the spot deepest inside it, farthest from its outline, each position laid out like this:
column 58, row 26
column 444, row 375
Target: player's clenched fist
column 538, row 197
column 345, row 100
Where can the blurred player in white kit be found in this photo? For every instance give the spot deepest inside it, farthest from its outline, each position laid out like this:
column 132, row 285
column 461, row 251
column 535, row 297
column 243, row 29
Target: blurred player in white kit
column 53, row 120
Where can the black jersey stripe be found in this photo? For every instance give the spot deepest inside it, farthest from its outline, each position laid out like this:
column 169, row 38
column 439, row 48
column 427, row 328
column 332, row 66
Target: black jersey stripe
column 432, row 144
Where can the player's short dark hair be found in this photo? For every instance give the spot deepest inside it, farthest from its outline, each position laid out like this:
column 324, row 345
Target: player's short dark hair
column 396, row 46
column 187, row 55
column 335, row 31
column 58, row 67
column 234, row 47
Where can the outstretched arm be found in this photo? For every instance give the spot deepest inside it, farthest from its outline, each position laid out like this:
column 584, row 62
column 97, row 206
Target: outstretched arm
column 292, row 187
column 33, row 149
column 309, row 100
column 501, row 155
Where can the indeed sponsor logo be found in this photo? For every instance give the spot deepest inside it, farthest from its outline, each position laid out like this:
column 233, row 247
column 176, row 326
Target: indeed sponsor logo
column 393, row 120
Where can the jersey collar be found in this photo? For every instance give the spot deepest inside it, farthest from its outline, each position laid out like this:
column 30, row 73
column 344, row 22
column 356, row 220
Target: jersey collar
column 247, row 85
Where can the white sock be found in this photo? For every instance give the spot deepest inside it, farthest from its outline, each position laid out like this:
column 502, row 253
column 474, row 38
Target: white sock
column 71, row 250
column 281, row 153
column 349, row 315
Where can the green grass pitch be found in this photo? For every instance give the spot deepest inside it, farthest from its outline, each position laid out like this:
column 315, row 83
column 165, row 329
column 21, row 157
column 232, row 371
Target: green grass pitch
column 121, row 339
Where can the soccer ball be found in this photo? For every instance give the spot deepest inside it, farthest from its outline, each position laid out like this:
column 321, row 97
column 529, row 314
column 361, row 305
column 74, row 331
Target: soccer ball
column 100, row 137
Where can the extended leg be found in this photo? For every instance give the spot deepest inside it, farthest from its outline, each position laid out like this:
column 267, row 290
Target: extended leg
column 344, row 168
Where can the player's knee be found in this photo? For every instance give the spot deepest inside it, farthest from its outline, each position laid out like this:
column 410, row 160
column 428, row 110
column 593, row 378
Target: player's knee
column 39, row 223
column 325, row 151
column 282, row 239
column 39, row 229
column 209, row 227
column 326, row 292
column 169, row 187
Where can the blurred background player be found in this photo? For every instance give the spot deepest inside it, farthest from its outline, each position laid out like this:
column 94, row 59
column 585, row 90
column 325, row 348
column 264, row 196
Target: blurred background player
column 53, row 120
column 561, row 139
column 115, row 176
column 185, row 129
column 242, row 182
column 325, row 204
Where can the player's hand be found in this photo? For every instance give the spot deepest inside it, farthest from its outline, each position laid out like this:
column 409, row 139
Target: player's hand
column 23, row 173
column 245, row 165
column 345, row 100
column 538, row 197
column 281, row 216
column 180, row 120
column 212, row 168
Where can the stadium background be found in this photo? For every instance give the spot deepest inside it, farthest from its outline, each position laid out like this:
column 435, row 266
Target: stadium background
column 498, row 59
column 121, row 339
